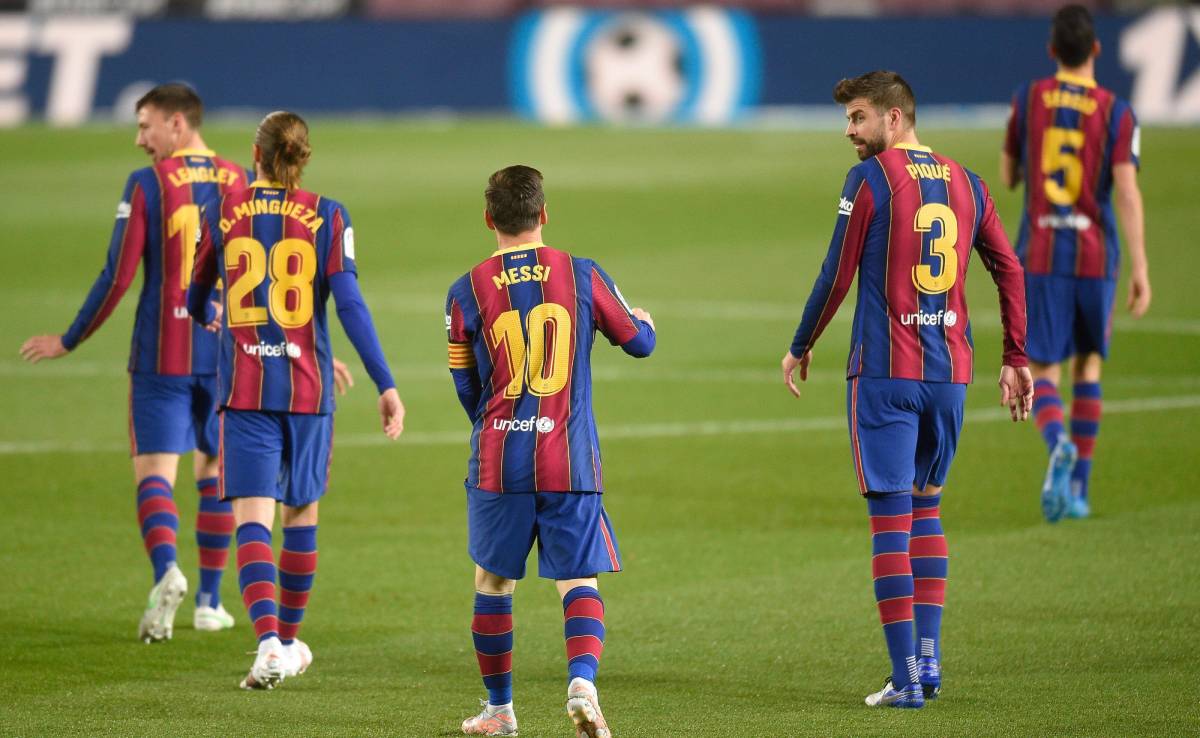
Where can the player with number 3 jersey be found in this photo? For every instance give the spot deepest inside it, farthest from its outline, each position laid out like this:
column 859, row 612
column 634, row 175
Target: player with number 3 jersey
column 521, row 325
column 281, row 252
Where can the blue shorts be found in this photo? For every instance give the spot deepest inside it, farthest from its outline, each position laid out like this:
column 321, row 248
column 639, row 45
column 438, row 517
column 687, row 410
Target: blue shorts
column 1067, row 316
column 172, row 415
column 903, row 433
column 574, row 536
column 284, row 456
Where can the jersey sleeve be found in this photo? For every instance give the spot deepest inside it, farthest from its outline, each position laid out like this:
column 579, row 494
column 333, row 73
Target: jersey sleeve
column 125, row 250
column 998, row 257
column 360, row 329
column 1129, row 137
column 1014, row 140
column 463, row 367
column 614, row 318
column 855, row 210
column 341, row 244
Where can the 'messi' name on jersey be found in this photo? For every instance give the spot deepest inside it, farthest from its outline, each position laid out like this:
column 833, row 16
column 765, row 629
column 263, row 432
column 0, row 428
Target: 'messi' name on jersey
column 513, row 275
column 302, row 213
column 195, row 175
column 272, row 350
column 947, row 318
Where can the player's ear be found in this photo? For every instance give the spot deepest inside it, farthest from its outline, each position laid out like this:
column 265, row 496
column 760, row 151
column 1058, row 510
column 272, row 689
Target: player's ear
column 487, row 218
column 543, row 217
column 256, row 152
column 1050, row 52
column 1096, row 48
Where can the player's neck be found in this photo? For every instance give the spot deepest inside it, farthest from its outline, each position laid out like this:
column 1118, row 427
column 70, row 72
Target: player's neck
column 192, row 142
column 906, row 138
column 1087, row 70
column 506, row 241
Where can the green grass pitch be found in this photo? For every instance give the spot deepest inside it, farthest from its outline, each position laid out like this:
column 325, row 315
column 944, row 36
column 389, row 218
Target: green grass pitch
column 746, row 607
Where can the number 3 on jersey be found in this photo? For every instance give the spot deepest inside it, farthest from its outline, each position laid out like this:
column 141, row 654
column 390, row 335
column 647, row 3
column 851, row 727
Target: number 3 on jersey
column 292, row 266
column 548, row 322
column 940, row 247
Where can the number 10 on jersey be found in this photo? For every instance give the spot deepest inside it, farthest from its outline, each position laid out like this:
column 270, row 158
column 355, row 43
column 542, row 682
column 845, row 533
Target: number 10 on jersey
column 546, row 324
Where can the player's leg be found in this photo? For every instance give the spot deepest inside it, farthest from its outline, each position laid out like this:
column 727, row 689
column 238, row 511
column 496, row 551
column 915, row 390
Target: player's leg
column 1050, row 302
column 883, row 441
column 576, row 541
column 214, row 516
column 251, row 452
column 1093, row 331
column 500, row 533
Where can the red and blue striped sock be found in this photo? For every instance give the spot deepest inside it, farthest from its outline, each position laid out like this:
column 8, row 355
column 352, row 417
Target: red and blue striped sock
column 1048, row 412
column 928, row 555
column 891, row 523
column 214, row 529
column 159, row 521
column 297, row 568
column 1085, row 426
column 583, row 627
column 492, row 631
column 256, row 577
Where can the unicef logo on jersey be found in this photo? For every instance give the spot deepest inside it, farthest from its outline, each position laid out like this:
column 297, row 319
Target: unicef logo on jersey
column 272, row 350
column 948, row 318
column 699, row 65
column 541, row 425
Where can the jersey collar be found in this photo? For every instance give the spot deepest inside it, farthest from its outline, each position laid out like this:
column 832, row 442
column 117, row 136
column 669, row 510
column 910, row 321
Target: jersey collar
column 194, row 152
column 913, row 147
column 519, row 247
column 267, row 183
column 1075, row 79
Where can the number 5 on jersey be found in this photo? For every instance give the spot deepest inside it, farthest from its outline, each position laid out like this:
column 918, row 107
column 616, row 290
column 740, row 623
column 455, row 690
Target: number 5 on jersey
column 547, row 323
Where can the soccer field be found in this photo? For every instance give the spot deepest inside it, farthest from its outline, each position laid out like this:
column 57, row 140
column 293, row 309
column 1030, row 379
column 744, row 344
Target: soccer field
column 746, row 607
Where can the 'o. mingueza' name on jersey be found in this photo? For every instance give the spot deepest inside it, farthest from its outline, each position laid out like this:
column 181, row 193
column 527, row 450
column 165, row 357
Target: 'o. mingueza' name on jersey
column 928, row 171
column 514, row 275
column 302, row 213
column 1060, row 98
column 198, row 175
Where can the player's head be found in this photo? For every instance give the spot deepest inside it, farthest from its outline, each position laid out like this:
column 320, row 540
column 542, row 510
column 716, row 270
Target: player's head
column 167, row 118
column 1073, row 36
column 515, row 201
column 281, row 148
column 880, row 106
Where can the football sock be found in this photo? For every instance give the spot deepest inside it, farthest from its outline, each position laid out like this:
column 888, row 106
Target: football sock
column 1048, row 412
column 214, row 528
column 159, row 520
column 583, row 627
column 927, row 554
column 256, row 577
column 891, row 522
column 1085, row 426
column 297, row 567
column 492, row 631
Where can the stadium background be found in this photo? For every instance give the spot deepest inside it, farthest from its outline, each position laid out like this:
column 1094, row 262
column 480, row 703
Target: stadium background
column 694, row 152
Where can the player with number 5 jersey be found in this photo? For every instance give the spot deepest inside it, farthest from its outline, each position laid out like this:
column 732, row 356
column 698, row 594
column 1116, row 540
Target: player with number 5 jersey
column 521, row 325
column 281, row 251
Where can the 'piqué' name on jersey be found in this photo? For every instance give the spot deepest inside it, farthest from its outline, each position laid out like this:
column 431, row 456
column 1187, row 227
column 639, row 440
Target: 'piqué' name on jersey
column 513, row 275
column 197, row 175
column 928, row 171
column 302, row 213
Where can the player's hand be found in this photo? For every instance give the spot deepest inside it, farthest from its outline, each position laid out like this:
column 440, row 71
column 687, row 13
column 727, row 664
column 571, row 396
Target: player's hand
column 214, row 325
column 789, row 367
column 1016, row 391
column 392, row 412
column 1139, row 293
column 643, row 315
column 43, row 347
column 342, row 378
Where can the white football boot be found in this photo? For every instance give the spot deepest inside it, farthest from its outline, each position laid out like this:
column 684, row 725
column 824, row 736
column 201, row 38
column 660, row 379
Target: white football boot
column 267, row 671
column 297, row 657
column 492, row 720
column 583, row 708
column 158, row 621
column 212, row 618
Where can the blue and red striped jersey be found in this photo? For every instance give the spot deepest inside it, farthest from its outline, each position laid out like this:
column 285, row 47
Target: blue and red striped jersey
column 907, row 222
column 521, row 326
column 157, row 223
column 275, row 251
column 1068, row 133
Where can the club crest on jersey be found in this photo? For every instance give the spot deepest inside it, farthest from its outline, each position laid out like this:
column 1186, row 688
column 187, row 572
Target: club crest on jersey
column 533, row 422
column 845, row 207
column 948, row 318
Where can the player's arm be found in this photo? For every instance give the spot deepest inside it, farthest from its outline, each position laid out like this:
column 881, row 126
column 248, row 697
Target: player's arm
column 200, row 292
column 463, row 366
column 630, row 328
column 855, row 210
column 1016, row 381
column 125, row 250
column 1010, row 155
column 1128, row 200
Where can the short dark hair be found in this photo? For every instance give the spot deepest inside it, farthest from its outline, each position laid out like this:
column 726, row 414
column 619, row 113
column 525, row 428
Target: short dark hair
column 175, row 98
column 515, row 199
column 883, row 89
column 1072, row 35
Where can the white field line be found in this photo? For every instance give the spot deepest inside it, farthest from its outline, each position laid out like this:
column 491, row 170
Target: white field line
column 688, row 429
